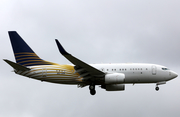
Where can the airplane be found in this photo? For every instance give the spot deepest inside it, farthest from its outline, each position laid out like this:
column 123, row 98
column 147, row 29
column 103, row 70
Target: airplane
column 111, row 77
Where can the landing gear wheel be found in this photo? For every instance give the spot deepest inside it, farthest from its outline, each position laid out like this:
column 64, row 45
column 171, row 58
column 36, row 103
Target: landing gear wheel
column 92, row 87
column 93, row 92
column 157, row 88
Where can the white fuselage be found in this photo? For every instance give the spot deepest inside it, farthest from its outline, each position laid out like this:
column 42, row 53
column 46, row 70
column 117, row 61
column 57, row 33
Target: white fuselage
column 139, row 73
column 134, row 73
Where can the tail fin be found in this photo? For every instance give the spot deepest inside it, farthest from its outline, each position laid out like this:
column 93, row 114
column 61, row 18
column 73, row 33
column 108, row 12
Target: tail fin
column 24, row 55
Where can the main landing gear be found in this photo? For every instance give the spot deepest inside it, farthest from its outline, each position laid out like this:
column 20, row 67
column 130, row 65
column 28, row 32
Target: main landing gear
column 92, row 89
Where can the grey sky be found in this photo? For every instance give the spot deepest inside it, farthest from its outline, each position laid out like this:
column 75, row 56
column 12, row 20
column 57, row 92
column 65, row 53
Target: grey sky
column 96, row 31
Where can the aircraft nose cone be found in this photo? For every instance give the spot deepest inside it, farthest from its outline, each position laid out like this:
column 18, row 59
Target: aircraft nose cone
column 174, row 74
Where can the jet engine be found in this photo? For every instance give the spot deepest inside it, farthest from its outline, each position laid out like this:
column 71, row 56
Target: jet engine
column 114, row 78
column 114, row 87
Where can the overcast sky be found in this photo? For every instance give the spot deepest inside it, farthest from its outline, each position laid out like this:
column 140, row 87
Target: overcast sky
column 95, row 31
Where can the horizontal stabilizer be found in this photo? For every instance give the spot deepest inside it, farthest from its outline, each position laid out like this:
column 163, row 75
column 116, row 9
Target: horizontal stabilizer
column 16, row 65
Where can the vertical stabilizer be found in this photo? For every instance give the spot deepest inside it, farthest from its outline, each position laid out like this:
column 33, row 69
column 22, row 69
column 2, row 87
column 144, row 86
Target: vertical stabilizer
column 24, row 55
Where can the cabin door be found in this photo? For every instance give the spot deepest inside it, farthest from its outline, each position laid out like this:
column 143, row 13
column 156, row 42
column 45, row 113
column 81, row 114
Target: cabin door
column 154, row 69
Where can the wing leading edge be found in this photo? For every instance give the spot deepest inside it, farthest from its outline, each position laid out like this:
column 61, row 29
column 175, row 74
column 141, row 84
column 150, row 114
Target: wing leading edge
column 85, row 70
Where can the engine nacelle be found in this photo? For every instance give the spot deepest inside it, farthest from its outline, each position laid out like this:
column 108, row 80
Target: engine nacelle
column 114, row 78
column 114, row 87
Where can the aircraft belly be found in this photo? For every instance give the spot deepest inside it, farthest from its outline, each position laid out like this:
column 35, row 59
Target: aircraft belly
column 65, row 79
column 53, row 77
column 134, row 78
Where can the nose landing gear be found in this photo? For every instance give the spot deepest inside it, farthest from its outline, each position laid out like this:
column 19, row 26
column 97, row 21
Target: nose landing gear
column 159, row 83
column 157, row 88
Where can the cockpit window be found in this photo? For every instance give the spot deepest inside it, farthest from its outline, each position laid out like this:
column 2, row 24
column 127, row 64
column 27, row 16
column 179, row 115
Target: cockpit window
column 165, row 69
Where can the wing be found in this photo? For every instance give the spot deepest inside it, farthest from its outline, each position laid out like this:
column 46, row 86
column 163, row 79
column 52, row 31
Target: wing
column 85, row 70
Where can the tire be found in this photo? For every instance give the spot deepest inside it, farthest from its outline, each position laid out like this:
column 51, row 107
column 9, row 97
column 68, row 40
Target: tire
column 157, row 88
column 92, row 92
column 91, row 87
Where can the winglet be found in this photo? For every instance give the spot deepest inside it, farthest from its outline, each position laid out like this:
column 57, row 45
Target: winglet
column 61, row 49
